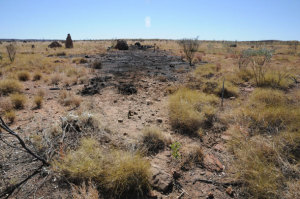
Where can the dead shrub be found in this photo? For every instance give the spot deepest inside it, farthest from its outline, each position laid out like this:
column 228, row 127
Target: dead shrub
column 189, row 47
column 11, row 51
column 68, row 99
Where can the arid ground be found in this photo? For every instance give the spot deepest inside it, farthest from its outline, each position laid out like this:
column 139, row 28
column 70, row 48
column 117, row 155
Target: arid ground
column 143, row 123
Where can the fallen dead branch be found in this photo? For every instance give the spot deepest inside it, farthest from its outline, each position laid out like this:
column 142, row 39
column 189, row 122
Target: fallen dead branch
column 22, row 143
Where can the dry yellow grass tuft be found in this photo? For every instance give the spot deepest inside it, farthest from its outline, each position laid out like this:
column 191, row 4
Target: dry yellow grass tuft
column 153, row 140
column 8, row 86
column 18, row 100
column 122, row 174
column 67, row 99
column 189, row 110
column 10, row 116
column 38, row 100
column 23, row 76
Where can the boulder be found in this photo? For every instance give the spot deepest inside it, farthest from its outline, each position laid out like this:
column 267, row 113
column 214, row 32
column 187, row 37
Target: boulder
column 212, row 163
column 161, row 180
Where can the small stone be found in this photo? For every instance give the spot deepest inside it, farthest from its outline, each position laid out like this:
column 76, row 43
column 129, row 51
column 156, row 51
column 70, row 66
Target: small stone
column 232, row 98
column 148, row 102
column 120, row 120
column 202, row 173
column 159, row 120
column 229, row 191
column 210, row 195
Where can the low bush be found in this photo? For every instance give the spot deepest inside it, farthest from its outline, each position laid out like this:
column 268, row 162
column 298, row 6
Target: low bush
column 23, row 76
column 8, row 86
column 128, row 176
column 85, row 191
column 256, row 167
column 270, row 111
column 38, row 100
column 153, row 140
column 189, row 110
column 10, row 116
column 121, row 174
column 37, row 76
column 55, row 79
column 67, row 99
column 18, row 100
column 97, row 64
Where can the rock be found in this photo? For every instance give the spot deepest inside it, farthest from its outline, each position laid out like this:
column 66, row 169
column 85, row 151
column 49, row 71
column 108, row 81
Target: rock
column 148, row 102
column 212, row 163
column 54, row 44
column 229, row 191
column 232, row 98
column 175, row 174
column 210, row 195
column 219, row 147
column 69, row 42
column 120, row 120
column 161, row 180
column 159, row 120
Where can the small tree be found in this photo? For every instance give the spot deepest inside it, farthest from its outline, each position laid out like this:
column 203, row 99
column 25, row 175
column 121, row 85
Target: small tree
column 11, row 51
column 258, row 61
column 190, row 47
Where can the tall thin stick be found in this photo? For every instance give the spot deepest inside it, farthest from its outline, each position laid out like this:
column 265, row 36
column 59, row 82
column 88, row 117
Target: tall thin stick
column 223, row 93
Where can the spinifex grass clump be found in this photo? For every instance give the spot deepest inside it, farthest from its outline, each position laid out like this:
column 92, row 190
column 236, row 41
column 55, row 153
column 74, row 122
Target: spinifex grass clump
column 119, row 174
column 190, row 110
column 8, row 86
column 270, row 111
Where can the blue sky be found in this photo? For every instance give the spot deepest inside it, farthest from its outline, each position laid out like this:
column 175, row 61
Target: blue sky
column 165, row 19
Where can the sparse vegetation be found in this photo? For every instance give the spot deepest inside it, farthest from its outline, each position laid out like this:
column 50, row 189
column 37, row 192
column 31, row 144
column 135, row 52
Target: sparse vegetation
column 190, row 110
column 175, row 147
column 189, row 47
column 153, row 140
column 11, row 51
column 23, row 76
column 38, row 100
column 37, row 76
column 123, row 174
column 8, row 86
column 18, row 100
column 68, row 99
column 10, row 116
